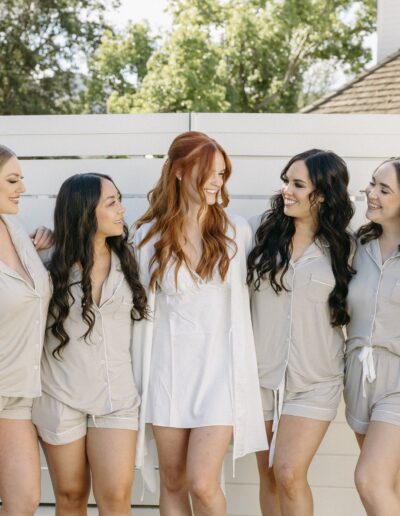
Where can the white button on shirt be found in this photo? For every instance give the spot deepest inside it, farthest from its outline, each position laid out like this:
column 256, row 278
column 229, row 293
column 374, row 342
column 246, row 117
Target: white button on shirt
column 96, row 375
column 293, row 334
column 23, row 312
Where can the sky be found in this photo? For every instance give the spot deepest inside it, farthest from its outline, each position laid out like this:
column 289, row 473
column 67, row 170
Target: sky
column 139, row 10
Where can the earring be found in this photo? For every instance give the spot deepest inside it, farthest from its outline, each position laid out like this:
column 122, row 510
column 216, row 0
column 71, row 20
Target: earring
column 179, row 178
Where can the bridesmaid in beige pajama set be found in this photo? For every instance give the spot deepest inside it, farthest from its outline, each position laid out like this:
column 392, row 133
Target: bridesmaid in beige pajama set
column 299, row 274
column 87, row 417
column 24, row 298
column 372, row 386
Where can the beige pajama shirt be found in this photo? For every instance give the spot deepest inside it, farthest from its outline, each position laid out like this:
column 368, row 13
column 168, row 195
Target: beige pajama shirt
column 372, row 384
column 23, row 313
column 93, row 383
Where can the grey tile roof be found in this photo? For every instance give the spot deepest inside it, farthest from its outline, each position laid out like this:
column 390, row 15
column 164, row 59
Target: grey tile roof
column 377, row 90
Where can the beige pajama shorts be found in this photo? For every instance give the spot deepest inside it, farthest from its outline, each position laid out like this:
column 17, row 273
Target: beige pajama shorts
column 382, row 396
column 321, row 402
column 15, row 408
column 58, row 423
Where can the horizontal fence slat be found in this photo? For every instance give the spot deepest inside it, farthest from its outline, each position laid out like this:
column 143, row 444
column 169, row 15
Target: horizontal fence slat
column 150, row 123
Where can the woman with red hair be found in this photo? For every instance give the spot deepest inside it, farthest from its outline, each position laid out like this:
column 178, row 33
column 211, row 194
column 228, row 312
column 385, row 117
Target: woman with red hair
column 195, row 358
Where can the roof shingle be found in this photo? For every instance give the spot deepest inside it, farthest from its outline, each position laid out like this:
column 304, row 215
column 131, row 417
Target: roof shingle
column 375, row 91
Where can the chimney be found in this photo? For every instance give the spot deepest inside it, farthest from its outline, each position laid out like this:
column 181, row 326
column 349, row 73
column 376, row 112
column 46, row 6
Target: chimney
column 388, row 27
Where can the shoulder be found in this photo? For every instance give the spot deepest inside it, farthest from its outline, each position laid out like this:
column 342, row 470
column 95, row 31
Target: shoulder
column 136, row 235
column 241, row 226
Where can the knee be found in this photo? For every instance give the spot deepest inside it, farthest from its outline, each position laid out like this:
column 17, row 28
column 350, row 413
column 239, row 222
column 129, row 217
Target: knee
column 366, row 482
column 203, row 489
column 173, row 478
column 288, row 479
column 72, row 497
column 116, row 499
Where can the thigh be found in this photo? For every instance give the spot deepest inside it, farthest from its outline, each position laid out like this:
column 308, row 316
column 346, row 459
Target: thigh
column 68, row 466
column 19, row 458
column 206, row 451
column 380, row 452
column 298, row 439
column 172, row 447
column 111, row 455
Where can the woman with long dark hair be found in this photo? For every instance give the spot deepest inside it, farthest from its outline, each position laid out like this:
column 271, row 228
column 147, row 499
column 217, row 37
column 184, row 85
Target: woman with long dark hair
column 24, row 298
column 199, row 376
column 299, row 272
column 372, row 385
column 87, row 416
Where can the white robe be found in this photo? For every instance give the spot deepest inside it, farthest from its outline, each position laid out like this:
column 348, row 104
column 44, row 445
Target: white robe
column 249, row 432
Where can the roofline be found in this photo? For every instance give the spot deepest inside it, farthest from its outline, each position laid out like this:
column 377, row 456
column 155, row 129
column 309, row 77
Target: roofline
column 326, row 98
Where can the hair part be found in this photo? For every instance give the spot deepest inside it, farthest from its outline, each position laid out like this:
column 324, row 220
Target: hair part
column 169, row 204
column 273, row 240
column 373, row 230
column 75, row 226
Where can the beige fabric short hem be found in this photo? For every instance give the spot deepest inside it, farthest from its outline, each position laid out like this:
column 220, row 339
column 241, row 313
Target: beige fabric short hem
column 319, row 403
column 58, row 423
column 382, row 396
column 15, row 408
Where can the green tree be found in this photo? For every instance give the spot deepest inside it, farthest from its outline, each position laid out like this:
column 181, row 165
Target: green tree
column 248, row 55
column 182, row 73
column 118, row 66
column 43, row 46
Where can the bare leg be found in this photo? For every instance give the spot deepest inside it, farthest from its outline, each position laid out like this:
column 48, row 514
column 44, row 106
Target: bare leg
column 206, row 452
column 377, row 470
column 69, row 472
column 19, row 468
column 172, row 446
column 111, row 454
column 269, row 501
column 297, row 442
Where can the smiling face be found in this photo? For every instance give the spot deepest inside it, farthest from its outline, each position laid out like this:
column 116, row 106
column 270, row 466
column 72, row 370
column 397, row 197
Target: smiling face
column 109, row 211
column 11, row 186
column 296, row 192
column 383, row 195
column 212, row 185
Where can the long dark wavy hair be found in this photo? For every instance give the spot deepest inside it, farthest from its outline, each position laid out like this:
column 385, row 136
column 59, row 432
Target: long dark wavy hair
column 372, row 230
column 75, row 226
column 273, row 241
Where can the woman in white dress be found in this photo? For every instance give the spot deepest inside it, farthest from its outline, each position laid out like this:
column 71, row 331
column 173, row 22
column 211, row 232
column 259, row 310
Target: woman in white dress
column 24, row 297
column 198, row 374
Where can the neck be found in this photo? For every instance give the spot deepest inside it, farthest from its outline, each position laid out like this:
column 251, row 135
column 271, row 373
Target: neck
column 391, row 232
column 191, row 217
column 305, row 228
column 100, row 247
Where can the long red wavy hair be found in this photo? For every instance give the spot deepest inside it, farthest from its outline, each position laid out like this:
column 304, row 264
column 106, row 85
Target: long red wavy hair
column 169, row 204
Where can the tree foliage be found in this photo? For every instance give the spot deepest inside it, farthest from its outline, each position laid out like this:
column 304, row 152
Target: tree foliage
column 43, row 44
column 59, row 56
column 249, row 55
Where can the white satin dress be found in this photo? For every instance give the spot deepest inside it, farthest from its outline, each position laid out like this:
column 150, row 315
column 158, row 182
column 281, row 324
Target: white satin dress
column 190, row 381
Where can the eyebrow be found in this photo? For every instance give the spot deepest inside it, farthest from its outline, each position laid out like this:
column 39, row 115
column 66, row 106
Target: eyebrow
column 118, row 196
column 385, row 186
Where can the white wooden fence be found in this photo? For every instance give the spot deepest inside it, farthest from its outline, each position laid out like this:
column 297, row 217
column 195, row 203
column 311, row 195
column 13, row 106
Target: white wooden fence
column 130, row 148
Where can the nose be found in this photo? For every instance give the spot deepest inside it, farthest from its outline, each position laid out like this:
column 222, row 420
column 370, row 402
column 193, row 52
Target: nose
column 21, row 187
